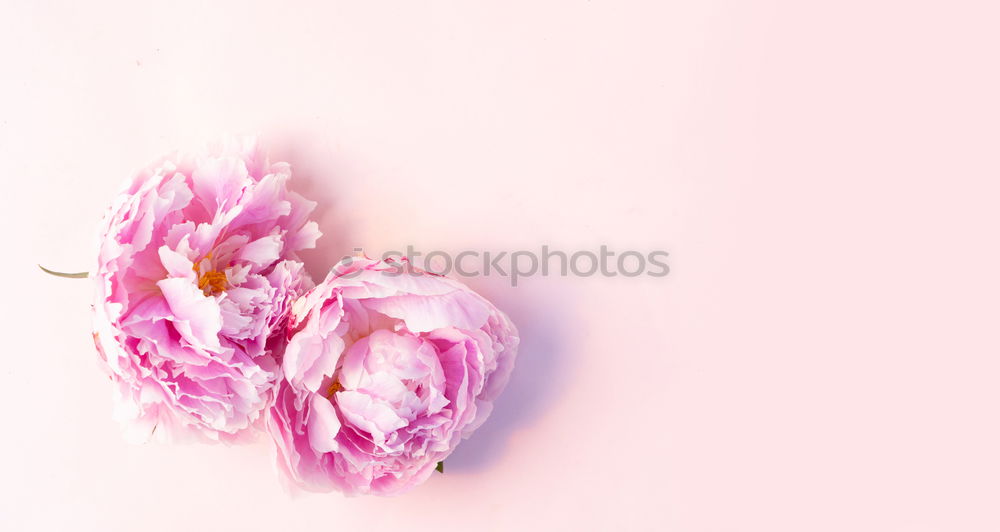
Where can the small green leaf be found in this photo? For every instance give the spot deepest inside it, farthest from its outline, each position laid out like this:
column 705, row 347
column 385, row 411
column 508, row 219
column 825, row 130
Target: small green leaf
column 440, row 467
column 80, row 275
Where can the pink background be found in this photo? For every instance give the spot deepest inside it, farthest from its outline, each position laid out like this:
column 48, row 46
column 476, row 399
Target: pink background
column 823, row 356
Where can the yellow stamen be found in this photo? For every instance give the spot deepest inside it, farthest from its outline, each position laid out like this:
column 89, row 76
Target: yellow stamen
column 214, row 281
column 334, row 388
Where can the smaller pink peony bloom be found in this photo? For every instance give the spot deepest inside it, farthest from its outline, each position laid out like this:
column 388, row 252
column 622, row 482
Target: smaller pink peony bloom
column 196, row 271
column 387, row 370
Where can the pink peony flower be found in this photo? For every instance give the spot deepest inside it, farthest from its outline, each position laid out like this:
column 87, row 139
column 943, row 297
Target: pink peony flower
column 385, row 372
column 196, row 271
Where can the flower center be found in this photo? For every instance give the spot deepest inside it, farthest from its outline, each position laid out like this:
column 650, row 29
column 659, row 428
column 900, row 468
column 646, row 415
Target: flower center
column 212, row 281
column 334, row 388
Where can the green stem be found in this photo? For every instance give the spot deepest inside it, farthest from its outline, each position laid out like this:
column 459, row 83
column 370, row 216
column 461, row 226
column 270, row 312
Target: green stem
column 80, row 275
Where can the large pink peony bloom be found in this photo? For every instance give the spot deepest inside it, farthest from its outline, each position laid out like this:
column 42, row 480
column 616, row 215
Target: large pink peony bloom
column 385, row 373
column 196, row 271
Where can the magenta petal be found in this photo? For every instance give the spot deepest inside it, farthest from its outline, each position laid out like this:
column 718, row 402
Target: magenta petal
column 323, row 425
column 426, row 313
column 262, row 251
column 195, row 315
